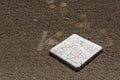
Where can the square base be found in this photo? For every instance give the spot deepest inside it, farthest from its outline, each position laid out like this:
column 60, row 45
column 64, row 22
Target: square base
column 75, row 51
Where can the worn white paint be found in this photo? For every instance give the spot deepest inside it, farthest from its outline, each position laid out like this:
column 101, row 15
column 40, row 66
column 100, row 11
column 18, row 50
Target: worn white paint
column 76, row 51
column 40, row 46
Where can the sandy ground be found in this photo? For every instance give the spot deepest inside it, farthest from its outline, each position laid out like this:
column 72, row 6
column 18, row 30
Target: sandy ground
column 29, row 28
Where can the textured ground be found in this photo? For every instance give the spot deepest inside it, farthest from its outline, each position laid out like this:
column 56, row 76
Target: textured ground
column 29, row 28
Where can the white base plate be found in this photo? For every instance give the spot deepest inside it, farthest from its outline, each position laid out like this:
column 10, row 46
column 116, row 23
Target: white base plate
column 75, row 51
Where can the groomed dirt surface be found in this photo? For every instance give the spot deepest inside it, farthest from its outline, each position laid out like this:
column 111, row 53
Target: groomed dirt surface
column 29, row 28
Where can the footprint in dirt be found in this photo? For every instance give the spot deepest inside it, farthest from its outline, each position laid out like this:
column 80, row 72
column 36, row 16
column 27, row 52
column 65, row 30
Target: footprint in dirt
column 108, row 40
column 51, row 4
column 63, row 9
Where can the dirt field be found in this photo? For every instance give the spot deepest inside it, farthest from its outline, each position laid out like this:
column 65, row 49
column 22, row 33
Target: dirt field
column 29, row 28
